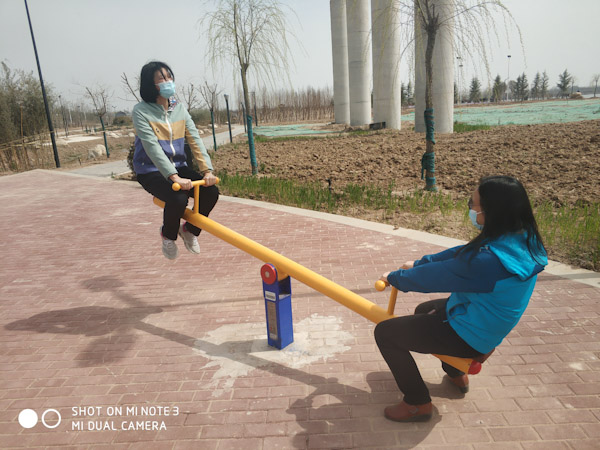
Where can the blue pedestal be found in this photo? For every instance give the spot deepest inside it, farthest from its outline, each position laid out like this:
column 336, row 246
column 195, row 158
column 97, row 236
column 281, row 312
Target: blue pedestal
column 278, row 308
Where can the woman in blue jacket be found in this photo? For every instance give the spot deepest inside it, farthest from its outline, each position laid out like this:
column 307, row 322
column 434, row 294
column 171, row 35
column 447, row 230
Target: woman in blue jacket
column 490, row 280
column 162, row 127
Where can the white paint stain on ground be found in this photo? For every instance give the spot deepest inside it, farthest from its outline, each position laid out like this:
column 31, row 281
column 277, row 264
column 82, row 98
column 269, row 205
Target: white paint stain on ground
column 237, row 349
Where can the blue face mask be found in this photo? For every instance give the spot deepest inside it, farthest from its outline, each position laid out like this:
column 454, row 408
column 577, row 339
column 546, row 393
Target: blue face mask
column 473, row 216
column 167, row 89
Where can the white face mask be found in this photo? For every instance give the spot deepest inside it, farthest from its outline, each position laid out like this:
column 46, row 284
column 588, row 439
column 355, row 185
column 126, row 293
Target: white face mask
column 473, row 216
column 166, row 89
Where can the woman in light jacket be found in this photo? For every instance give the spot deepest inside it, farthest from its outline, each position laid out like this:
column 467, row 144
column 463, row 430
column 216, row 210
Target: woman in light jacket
column 162, row 126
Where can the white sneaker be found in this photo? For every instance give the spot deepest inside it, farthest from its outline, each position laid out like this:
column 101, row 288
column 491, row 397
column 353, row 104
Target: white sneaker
column 169, row 247
column 190, row 241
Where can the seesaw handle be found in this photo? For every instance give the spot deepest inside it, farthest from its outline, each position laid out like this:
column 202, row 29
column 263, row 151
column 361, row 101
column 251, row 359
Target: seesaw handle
column 196, row 185
column 177, row 186
column 380, row 285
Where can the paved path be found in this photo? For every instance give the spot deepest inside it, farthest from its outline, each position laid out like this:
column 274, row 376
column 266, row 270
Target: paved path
column 96, row 325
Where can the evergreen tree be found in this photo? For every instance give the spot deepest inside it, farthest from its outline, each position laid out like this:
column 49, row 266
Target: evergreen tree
column 455, row 93
column 536, row 87
column 564, row 80
column 498, row 89
column 475, row 91
column 522, row 88
column 544, row 86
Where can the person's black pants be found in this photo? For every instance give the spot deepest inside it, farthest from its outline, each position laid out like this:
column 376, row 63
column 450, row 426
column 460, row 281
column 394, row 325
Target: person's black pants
column 176, row 201
column 425, row 332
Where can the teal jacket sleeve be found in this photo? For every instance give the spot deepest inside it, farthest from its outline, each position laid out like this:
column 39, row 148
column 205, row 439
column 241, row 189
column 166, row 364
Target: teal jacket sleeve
column 151, row 146
column 441, row 256
column 460, row 274
column 196, row 145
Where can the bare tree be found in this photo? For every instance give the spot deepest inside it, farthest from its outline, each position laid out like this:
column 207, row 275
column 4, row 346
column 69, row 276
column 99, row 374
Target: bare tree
column 100, row 97
column 472, row 23
column 128, row 88
column 188, row 94
column 595, row 79
column 251, row 35
column 210, row 94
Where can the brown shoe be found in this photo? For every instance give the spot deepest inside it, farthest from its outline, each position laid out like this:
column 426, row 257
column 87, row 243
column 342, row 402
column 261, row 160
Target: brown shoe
column 403, row 412
column 461, row 382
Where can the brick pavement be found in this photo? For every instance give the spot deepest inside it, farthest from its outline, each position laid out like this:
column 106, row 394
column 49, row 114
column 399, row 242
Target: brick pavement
column 92, row 315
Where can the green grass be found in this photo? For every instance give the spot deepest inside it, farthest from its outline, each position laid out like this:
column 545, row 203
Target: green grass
column 319, row 197
column 570, row 233
column 460, row 127
column 308, row 196
column 574, row 229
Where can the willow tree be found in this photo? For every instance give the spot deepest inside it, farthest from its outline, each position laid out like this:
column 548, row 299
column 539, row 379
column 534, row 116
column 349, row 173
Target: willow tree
column 471, row 25
column 252, row 35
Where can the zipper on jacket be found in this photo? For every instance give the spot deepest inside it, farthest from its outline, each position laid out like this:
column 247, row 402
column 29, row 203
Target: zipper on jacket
column 170, row 134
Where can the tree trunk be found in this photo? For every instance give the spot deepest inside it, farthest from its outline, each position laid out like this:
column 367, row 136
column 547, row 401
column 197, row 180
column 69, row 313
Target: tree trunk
column 253, row 162
column 104, row 134
column 430, row 141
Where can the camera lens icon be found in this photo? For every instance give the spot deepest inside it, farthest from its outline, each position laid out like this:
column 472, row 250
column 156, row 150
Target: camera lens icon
column 28, row 418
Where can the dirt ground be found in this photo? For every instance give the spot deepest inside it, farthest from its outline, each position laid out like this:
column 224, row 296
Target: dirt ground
column 558, row 162
column 555, row 162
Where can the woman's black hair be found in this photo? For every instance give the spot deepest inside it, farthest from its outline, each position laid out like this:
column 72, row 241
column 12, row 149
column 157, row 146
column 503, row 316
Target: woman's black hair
column 148, row 90
column 507, row 209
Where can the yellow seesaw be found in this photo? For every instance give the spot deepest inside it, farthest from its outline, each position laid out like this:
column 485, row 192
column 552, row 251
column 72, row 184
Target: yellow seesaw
column 287, row 267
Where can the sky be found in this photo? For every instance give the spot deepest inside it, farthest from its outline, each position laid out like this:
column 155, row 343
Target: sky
column 92, row 42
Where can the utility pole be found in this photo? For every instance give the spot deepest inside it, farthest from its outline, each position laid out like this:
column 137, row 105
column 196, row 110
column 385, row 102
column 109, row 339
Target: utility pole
column 50, row 127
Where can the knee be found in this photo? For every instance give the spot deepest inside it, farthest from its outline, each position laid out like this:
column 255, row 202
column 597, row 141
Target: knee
column 420, row 310
column 178, row 200
column 424, row 308
column 209, row 195
column 381, row 332
column 212, row 193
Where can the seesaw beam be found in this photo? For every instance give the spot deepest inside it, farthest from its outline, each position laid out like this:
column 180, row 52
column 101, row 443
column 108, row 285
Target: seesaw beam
column 355, row 302
column 340, row 294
